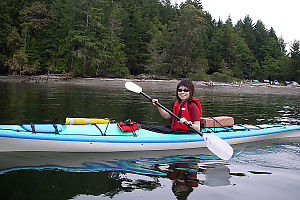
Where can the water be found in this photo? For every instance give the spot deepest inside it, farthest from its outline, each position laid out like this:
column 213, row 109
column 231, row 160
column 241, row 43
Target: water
column 261, row 170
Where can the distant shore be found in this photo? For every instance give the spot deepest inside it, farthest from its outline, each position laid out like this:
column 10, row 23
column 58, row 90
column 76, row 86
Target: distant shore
column 242, row 87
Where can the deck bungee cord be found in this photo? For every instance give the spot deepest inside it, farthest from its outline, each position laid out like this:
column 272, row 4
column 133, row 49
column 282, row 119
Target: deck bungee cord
column 57, row 129
column 88, row 138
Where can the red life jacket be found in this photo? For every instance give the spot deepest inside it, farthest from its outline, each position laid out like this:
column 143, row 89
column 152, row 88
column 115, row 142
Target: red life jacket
column 181, row 110
column 186, row 177
column 128, row 126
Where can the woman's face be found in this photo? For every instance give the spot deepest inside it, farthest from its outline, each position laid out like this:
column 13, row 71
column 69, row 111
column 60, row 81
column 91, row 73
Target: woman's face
column 183, row 93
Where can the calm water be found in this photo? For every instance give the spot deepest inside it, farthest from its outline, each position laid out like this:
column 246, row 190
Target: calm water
column 257, row 171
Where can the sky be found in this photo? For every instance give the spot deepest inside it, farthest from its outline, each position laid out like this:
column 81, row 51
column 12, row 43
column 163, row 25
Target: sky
column 283, row 16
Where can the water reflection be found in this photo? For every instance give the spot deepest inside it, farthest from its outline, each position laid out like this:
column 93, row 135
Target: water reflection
column 186, row 172
column 49, row 184
column 186, row 176
column 276, row 155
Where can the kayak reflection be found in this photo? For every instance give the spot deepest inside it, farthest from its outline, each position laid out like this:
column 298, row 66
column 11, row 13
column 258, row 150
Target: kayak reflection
column 186, row 172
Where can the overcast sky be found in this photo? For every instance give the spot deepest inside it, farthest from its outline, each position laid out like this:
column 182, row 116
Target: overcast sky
column 283, row 16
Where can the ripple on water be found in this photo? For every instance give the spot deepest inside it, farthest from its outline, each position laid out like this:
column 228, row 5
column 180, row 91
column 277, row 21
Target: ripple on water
column 285, row 156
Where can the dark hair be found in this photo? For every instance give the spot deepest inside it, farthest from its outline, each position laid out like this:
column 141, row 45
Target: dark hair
column 181, row 195
column 188, row 84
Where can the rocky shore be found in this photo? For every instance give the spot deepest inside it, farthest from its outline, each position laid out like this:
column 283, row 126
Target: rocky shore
column 241, row 87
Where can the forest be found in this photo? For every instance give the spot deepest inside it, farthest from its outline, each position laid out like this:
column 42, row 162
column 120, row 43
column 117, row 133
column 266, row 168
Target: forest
column 124, row 38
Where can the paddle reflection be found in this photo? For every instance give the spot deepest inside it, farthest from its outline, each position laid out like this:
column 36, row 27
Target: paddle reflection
column 217, row 175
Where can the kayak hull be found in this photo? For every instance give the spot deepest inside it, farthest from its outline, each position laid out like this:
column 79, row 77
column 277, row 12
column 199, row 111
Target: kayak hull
column 18, row 144
column 109, row 138
column 293, row 135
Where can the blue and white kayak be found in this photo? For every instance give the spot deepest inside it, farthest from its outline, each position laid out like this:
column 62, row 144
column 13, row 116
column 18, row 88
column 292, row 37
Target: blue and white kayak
column 109, row 138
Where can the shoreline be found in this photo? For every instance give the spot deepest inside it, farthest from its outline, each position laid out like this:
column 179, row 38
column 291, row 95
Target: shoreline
column 251, row 88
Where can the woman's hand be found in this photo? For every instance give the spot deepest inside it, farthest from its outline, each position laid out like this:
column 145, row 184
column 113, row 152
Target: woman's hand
column 195, row 124
column 184, row 121
column 154, row 102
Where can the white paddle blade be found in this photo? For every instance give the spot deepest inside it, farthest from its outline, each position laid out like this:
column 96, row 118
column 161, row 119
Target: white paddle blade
column 133, row 87
column 218, row 146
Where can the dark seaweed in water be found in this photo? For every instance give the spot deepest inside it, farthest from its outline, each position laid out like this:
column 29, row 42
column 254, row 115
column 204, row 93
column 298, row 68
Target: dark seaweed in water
column 254, row 172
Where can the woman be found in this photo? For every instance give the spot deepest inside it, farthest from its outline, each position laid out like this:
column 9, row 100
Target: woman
column 187, row 107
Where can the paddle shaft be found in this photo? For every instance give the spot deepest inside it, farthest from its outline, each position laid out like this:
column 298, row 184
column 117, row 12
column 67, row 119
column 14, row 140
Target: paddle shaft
column 214, row 143
column 171, row 113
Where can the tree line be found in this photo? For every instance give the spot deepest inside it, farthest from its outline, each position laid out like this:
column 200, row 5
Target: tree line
column 119, row 38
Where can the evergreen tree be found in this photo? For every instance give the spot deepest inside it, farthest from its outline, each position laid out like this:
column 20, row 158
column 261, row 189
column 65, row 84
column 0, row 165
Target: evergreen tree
column 136, row 36
column 33, row 19
column 167, row 12
column 295, row 61
column 157, row 49
column 114, row 58
column 121, row 37
column 184, row 35
column 196, row 3
column 249, row 34
column 261, row 35
column 216, row 50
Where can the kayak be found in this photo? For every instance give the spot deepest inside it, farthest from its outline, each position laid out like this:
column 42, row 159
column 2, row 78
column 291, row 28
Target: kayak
column 110, row 138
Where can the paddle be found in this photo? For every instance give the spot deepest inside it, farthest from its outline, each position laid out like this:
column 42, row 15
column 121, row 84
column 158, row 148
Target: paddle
column 214, row 143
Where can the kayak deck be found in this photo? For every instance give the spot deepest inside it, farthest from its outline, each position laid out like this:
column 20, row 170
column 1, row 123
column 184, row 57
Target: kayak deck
column 111, row 133
column 109, row 138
